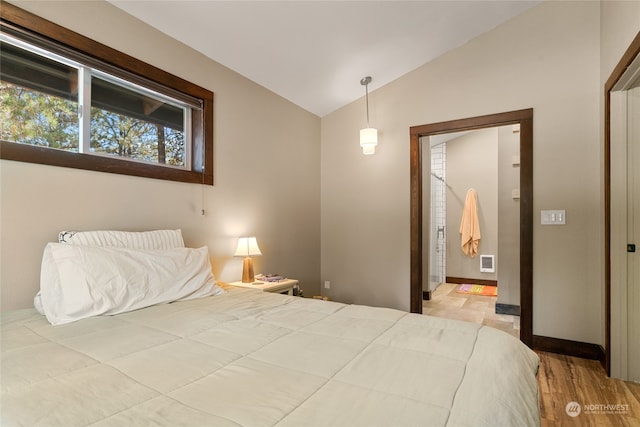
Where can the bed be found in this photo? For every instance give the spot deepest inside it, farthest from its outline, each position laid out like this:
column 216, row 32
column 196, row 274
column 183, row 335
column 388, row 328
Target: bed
column 242, row 357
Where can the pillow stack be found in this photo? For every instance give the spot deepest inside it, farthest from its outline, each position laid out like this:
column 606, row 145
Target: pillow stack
column 109, row 272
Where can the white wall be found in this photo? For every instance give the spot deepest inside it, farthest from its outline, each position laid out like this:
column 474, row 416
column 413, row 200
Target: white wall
column 267, row 173
column 547, row 59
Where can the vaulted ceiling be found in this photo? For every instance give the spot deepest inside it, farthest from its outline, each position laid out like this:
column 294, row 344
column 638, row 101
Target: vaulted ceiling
column 314, row 53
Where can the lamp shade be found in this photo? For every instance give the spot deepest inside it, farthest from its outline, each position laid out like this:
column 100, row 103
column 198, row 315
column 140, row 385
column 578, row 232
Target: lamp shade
column 368, row 140
column 247, row 246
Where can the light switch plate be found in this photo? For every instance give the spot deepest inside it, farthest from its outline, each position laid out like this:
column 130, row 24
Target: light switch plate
column 555, row 217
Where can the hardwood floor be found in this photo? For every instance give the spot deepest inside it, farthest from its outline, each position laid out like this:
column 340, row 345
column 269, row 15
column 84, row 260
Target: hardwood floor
column 603, row 401
column 566, row 384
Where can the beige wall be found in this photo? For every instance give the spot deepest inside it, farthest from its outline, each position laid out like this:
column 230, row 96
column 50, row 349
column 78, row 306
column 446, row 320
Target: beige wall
column 619, row 22
column 547, row 59
column 267, row 173
column 508, row 264
column 472, row 162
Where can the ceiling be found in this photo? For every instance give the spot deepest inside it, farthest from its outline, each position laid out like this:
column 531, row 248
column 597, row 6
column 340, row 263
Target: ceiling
column 314, row 53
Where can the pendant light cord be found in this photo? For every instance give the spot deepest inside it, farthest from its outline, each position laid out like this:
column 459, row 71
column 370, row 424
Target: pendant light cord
column 366, row 89
column 203, row 212
column 365, row 82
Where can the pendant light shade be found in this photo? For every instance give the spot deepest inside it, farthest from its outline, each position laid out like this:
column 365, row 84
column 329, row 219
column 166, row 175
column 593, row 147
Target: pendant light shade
column 368, row 140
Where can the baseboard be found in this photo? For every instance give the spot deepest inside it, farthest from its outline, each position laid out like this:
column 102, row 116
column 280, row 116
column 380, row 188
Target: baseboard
column 569, row 348
column 512, row 310
column 426, row 295
column 463, row 280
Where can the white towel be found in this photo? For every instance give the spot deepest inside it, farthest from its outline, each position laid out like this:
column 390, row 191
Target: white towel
column 469, row 225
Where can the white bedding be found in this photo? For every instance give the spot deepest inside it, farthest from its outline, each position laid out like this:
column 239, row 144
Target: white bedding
column 77, row 282
column 248, row 358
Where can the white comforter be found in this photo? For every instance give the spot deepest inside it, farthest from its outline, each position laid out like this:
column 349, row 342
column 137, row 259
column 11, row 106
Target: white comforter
column 247, row 358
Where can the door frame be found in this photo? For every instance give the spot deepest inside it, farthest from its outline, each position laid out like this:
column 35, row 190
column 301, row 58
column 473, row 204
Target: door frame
column 525, row 119
column 627, row 58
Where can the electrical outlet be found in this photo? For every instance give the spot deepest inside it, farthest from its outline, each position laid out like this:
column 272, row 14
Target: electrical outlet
column 327, row 284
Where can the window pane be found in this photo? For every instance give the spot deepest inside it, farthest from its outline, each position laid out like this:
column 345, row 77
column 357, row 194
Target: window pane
column 136, row 111
column 128, row 123
column 38, row 100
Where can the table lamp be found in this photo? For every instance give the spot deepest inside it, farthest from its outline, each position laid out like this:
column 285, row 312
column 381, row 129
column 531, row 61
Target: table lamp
column 247, row 246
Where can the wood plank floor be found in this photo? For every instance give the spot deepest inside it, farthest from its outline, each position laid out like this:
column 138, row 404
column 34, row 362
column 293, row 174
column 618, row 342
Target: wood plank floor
column 603, row 401
column 561, row 379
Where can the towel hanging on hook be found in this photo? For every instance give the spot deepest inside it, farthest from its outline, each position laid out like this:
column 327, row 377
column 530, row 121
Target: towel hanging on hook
column 469, row 225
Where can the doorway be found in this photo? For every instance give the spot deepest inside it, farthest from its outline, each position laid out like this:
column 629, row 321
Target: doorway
column 622, row 217
column 461, row 285
column 523, row 118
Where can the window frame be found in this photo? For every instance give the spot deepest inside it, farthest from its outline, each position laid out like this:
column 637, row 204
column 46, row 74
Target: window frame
column 200, row 171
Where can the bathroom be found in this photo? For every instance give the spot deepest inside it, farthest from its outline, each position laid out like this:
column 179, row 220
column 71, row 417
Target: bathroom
column 487, row 161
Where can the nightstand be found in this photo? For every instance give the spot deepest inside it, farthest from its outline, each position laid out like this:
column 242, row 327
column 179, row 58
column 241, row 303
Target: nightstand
column 282, row 287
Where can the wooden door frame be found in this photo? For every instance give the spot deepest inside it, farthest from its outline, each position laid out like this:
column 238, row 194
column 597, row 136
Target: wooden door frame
column 627, row 58
column 525, row 119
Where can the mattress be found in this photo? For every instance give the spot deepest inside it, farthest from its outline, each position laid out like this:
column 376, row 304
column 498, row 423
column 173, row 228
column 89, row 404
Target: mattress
column 250, row 358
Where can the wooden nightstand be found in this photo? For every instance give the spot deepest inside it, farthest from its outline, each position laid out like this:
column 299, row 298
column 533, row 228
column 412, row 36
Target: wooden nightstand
column 282, row 287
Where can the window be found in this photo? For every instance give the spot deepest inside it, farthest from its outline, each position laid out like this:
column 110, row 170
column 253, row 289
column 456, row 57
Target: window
column 61, row 106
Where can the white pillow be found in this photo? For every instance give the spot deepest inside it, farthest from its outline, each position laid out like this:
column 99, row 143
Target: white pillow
column 83, row 281
column 155, row 239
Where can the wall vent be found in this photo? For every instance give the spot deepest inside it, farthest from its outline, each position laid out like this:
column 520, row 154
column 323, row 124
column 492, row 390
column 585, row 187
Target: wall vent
column 487, row 264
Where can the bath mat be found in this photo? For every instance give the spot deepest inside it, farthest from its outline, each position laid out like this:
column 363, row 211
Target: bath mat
column 491, row 291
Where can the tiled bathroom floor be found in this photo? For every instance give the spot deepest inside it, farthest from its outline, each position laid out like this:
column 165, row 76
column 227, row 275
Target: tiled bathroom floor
column 445, row 302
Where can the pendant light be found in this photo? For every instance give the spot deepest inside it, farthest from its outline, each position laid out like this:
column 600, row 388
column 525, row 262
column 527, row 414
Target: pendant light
column 368, row 136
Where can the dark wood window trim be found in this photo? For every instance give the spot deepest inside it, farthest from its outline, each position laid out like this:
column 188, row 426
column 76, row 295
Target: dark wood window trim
column 202, row 139
column 525, row 119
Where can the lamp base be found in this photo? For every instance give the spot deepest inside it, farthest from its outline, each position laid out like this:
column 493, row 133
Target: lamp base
column 247, row 271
